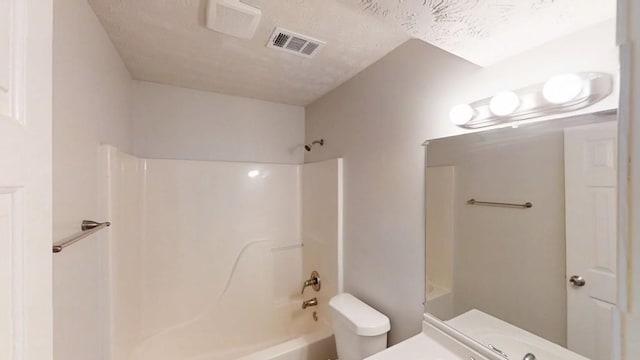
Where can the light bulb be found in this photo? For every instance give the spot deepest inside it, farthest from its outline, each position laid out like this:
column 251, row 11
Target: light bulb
column 562, row 88
column 504, row 103
column 461, row 114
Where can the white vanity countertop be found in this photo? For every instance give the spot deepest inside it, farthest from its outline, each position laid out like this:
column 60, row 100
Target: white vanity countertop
column 435, row 344
column 431, row 344
column 419, row 347
column 514, row 341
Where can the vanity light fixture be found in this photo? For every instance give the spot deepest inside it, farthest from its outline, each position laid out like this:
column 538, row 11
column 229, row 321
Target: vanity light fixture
column 461, row 114
column 504, row 103
column 560, row 94
column 563, row 88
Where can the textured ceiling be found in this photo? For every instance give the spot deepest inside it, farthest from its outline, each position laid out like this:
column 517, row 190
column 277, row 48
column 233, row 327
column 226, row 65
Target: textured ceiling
column 487, row 31
column 166, row 41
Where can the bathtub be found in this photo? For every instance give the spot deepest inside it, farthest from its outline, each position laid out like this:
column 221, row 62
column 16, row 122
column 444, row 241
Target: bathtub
column 319, row 345
column 284, row 332
column 273, row 332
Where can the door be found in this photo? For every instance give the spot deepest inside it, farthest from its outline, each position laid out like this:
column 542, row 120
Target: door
column 25, row 179
column 590, row 211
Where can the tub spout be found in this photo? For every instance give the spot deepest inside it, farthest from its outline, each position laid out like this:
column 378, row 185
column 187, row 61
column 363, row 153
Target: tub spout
column 310, row 302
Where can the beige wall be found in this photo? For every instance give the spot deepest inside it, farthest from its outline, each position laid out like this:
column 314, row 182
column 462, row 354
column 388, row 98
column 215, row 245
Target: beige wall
column 91, row 91
column 176, row 123
column 378, row 120
column 509, row 263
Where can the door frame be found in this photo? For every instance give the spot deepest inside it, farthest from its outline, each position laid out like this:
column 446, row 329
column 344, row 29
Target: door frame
column 628, row 322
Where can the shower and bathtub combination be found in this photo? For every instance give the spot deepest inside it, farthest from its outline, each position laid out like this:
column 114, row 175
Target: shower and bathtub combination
column 207, row 259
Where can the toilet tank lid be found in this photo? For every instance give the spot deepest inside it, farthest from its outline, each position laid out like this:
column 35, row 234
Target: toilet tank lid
column 360, row 317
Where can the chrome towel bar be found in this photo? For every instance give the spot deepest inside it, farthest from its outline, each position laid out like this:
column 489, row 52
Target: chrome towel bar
column 88, row 227
column 526, row 205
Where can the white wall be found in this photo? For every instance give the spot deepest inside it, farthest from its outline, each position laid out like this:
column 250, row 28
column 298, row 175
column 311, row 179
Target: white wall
column 176, row 123
column 91, row 92
column 378, row 120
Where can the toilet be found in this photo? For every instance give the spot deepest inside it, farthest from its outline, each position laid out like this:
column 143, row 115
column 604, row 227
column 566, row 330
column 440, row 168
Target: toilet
column 359, row 329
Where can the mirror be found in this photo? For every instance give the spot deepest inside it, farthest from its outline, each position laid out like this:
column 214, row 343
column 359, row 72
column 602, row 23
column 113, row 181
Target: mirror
column 521, row 237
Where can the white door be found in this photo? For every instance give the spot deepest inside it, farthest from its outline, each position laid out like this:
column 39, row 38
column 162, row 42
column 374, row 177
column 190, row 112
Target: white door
column 25, row 180
column 590, row 211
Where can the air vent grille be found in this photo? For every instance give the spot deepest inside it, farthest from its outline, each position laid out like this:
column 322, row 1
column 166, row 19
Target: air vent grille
column 294, row 43
column 310, row 48
column 281, row 39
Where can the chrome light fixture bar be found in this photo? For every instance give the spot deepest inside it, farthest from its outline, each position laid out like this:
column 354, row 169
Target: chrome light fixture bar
column 560, row 94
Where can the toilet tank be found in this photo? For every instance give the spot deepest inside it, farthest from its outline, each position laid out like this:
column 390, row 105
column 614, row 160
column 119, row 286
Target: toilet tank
column 360, row 330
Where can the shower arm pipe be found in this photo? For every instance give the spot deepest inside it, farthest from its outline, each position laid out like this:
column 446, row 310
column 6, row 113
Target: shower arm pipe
column 87, row 227
column 308, row 147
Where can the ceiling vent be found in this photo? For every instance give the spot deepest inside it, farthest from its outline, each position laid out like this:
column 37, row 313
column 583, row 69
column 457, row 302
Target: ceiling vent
column 233, row 18
column 295, row 43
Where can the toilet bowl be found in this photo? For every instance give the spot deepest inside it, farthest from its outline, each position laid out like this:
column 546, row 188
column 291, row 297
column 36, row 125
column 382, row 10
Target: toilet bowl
column 360, row 330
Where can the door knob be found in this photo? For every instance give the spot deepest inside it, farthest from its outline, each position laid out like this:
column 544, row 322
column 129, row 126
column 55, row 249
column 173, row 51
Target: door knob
column 577, row 281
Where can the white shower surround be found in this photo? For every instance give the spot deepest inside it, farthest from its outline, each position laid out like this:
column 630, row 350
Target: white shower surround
column 206, row 259
column 487, row 31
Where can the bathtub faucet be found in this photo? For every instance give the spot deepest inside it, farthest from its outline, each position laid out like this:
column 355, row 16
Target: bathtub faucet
column 314, row 282
column 310, row 302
